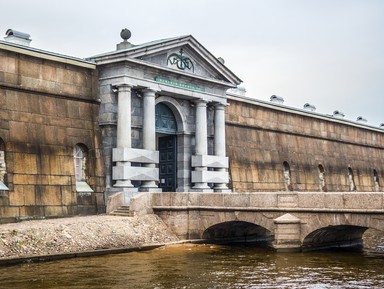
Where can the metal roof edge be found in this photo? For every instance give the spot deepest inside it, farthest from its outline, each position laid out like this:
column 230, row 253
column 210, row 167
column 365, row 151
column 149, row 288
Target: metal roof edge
column 303, row 112
column 44, row 54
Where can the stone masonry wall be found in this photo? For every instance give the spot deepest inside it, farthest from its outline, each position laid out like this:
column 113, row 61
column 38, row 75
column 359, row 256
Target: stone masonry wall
column 46, row 108
column 260, row 139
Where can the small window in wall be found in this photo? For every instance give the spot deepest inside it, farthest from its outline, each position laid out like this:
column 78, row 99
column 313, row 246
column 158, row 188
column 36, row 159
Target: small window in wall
column 287, row 177
column 351, row 180
column 323, row 187
column 80, row 153
column 376, row 181
column 3, row 167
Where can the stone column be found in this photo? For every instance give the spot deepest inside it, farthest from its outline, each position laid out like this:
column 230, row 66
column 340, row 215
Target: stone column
column 219, row 141
column 149, row 133
column 124, row 127
column 201, row 146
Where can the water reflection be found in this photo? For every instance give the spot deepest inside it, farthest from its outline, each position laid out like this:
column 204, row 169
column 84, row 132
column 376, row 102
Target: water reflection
column 203, row 266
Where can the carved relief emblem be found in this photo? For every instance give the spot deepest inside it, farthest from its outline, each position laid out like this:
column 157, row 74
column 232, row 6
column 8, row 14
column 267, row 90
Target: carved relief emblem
column 180, row 61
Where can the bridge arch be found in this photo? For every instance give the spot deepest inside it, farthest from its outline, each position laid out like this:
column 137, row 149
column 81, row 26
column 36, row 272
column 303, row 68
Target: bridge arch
column 237, row 231
column 342, row 229
column 335, row 236
column 321, row 221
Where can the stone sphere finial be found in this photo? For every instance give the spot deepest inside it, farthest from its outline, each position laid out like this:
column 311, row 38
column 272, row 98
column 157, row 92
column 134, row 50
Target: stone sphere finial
column 125, row 34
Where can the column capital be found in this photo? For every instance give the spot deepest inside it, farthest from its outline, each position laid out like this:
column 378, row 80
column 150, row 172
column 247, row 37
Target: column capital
column 220, row 106
column 121, row 87
column 149, row 92
column 201, row 102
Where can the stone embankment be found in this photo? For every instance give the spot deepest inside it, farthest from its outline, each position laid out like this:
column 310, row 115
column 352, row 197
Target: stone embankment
column 81, row 234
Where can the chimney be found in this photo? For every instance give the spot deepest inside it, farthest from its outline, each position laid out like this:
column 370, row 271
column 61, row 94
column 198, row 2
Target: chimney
column 17, row 37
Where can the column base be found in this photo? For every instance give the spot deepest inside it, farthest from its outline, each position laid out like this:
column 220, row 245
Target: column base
column 221, row 188
column 123, row 184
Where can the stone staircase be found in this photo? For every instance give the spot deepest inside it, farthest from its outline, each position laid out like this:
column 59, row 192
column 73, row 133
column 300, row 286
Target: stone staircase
column 123, row 211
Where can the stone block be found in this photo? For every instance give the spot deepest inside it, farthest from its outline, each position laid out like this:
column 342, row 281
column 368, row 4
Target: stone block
column 237, row 200
column 48, row 195
column 211, row 199
column 25, row 163
column 55, row 211
column 179, row 199
column 135, row 155
column 363, row 200
column 263, row 200
column 210, row 177
column 209, row 161
column 135, row 173
column 334, row 200
column 311, row 200
column 287, row 200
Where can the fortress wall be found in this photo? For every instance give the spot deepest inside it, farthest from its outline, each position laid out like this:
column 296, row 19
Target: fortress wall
column 261, row 138
column 46, row 108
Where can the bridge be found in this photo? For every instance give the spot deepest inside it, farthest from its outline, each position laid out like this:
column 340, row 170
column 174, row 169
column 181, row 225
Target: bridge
column 288, row 221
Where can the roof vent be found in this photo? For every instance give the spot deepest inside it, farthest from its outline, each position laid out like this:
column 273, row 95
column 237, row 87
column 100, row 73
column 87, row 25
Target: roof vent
column 221, row 60
column 277, row 99
column 309, row 107
column 17, row 37
column 338, row 114
column 361, row 119
column 382, row 125
column 125, row 34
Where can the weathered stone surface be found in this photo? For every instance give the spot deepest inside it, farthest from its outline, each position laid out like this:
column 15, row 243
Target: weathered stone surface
column 47, row 108
column 260, row 139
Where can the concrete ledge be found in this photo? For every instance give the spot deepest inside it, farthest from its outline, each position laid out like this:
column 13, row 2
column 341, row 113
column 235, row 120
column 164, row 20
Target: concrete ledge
column 257, row 209
column 45, row 258
column 355, row 202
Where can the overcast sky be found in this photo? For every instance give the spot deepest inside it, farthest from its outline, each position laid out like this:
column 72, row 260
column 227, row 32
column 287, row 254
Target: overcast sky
column 329, row 53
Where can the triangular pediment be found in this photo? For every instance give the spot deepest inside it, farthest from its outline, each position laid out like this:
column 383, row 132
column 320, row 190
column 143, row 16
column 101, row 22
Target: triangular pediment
column 182, row 55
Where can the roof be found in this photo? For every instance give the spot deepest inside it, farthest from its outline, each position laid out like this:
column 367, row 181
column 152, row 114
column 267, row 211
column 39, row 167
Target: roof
column 298, row 111
column 153, row 47
column 46, row 54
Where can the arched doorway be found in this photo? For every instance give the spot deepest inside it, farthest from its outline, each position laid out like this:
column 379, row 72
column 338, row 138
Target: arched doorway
column 166, row 128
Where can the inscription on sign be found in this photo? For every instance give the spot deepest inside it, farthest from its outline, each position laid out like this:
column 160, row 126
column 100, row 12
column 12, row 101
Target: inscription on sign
column 179, row 84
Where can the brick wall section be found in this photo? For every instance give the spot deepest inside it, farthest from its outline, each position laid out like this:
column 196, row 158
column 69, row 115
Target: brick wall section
column 46, row 108
column 260, row 139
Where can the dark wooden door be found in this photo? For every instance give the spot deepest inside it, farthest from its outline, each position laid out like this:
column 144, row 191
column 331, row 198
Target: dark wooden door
column 167, row 164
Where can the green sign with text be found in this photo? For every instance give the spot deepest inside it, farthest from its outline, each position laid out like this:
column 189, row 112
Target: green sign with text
column 179, row 84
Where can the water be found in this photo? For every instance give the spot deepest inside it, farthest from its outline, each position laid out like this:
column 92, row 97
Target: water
column 206, row 266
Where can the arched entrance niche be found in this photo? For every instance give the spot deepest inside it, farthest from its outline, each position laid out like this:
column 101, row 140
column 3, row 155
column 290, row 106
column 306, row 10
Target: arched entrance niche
column 171, row 144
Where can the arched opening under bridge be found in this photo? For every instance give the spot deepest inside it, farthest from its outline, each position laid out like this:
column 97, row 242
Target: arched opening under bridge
column 237, row 232
column 331, row 237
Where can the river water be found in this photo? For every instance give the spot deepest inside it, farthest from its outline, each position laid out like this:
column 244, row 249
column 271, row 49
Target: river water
column 208, row 266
